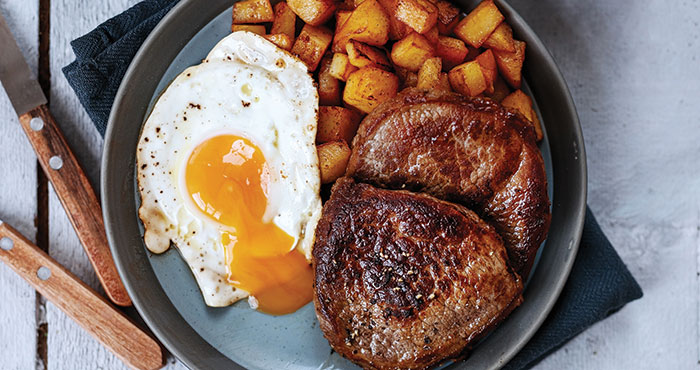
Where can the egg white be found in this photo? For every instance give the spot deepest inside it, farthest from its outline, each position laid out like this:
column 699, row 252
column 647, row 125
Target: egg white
column 248, row 87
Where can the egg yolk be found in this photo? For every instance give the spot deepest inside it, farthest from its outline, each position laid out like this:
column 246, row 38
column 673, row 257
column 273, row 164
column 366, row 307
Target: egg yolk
column 227, row 178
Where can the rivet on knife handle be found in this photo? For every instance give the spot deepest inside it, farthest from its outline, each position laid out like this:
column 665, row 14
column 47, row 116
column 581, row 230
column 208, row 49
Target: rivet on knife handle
column 82, row 304
column 76, row 195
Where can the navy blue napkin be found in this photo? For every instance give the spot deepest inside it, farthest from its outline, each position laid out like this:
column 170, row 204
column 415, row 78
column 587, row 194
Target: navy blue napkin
column 598, row 286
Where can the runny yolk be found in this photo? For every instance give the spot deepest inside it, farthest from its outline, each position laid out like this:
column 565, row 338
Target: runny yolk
column 227, row 178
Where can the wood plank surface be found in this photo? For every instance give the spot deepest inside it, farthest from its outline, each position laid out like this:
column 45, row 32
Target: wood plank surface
column 18, row 166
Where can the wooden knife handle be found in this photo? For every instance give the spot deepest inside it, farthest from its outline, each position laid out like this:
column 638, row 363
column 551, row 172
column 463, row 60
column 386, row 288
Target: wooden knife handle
column 82, row 304
column 76, row 195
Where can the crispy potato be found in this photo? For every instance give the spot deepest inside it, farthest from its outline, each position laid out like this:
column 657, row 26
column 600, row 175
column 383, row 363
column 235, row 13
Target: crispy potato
column 336, row 123
column 340, row 67
column 252, row 11
column 420, row 15
column 412, row 51
column 406, row 77
column 433, row 36
column 479, row 24
column 313, row 12
column 429, row 73
column 500, row 89
column 363, row 55
column 444, row 82
column 511, row 64
column 368, row 87
column 520, row 102
column 281, row 40
column 340, row 17
column 448, row 17
column 329, row 90
column 467, row 79
column 285, row 21
column 397, row 29
column 488, row 66
column 368, row 23
column 332, row 159
column 254, row 28
column 452, row 51
column 312, row 44
column 501, row 39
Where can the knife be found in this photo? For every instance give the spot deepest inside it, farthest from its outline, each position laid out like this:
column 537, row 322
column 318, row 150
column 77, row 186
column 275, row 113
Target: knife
column 104, row 322
column 59, row 163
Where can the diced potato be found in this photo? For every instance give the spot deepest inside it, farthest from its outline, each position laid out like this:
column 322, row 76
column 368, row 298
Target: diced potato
column 312, row 44
column 363, row 55
column 332, row 159
column 448, row 16
column 340, row 67
column 368, row 23
column 329, row 90
column 452, row 51
column 420, row 15
column 336, row 123
column 281, row 40
column 285, row 21
column 511, row 64
column 488, row 67
column 252, row 11
column 429, row 73
column 467, row 79
column 368, row 87
column 479, row 24
column 522, row 103
column 501, row 39
column 444, row 82
column 313, row 12
column 406, row 77
column 397, row 29
column 412, row 51
column 254, row 28
column 340, row 17
column 500, row 89
column 433, row 36
column 348, row 5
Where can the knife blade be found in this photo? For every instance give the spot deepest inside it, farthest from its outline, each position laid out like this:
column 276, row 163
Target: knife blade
column 58, row 162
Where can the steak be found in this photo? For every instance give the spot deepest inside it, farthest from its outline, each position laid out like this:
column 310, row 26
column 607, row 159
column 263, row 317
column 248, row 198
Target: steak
column 465, row 150
column 405, row 280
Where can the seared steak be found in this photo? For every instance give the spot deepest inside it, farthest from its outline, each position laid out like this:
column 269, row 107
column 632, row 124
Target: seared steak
column 469, row 151
column 405, row 280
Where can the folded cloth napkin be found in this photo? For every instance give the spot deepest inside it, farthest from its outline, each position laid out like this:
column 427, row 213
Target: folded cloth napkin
column 599, row 284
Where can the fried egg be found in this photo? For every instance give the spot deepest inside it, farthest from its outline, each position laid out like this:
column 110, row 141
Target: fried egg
column 228, row 172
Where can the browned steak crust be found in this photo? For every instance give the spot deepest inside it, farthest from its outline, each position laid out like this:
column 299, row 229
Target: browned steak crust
column 404, row 280
column 469, row 151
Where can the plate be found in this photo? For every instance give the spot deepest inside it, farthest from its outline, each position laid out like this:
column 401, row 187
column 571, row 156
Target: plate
column 163, row 289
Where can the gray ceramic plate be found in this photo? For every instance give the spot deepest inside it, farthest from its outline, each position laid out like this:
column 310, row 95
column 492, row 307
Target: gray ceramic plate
column 163, row 289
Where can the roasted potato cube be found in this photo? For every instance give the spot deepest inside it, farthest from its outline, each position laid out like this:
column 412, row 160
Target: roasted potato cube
column 368, row 87
column 501, row 39
column 448, row 16
column 254, row 28
column 329, row 90
column 511, row 64
column 519, row 101
column 362, row 55
column 368, row 23
column 406, row 77
column 340, row 17
column 452, row 51
column 488, row 67
column 312, row 44
column 332, row 159
column 281, row 40
column 500, row 89
column 479, row 24
column 336, row 123
column 420, row 15
column 433, row 36
column 412, row 51
column 467, row 79
column 252, row 11
column 397, row 29
column 313, row 12
column 444, row 82
column 340, row 67
column 429, row 73
column 285, row 21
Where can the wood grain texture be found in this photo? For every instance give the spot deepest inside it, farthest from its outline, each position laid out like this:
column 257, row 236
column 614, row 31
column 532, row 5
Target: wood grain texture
column 86, row 307
column 77, row 197
column 18, row 319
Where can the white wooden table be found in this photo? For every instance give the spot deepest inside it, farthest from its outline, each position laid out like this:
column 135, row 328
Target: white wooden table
column 633, row 68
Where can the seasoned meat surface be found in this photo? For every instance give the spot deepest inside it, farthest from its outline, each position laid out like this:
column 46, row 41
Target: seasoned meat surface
column 404, row 280
column 464, row 150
